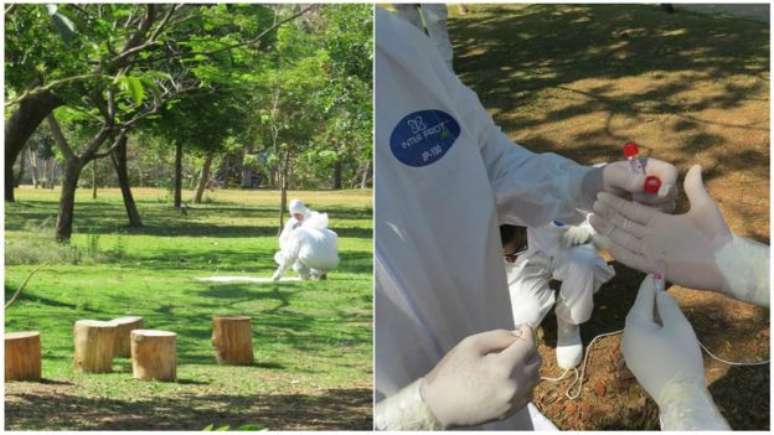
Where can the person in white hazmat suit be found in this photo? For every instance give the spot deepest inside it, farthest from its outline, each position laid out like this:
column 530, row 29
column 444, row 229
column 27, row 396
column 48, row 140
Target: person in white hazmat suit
column 535, row 255
column 448, row 353
column 298, row 212
column 431, row 17
column 696, row 249
column 306, row 244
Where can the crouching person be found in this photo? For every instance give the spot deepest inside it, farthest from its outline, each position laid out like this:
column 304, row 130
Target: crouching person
column 534, row 256
column 311, row 252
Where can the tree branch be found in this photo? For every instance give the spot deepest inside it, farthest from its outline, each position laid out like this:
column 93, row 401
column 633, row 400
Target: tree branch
column 21, row 287
column 253, row 41
column 59, row 138
column 134, row 44
column 164, row 21
column 52, row 85
column 116, row 144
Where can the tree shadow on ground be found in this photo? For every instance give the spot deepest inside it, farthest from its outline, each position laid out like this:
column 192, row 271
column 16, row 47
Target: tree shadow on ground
column 565, row 64
column 332, row 409
column 752, row 413
column 110, row 218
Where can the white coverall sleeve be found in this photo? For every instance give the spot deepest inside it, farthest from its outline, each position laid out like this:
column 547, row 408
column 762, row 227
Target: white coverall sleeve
column 288, row 255
column 286, row 230
column 688, row 406
column 530, row 189
column 744, row 265
column 405, row 410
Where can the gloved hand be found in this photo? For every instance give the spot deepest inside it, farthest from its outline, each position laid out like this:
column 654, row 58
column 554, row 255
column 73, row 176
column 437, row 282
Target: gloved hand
column 667, row 362
column 485, row 377
column 695, row 249
column 618, row 179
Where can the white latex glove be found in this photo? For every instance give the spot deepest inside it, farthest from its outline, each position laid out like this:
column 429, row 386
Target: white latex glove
column 695, row 249
column 487, row 376
column 617, row 178
column 667, row 361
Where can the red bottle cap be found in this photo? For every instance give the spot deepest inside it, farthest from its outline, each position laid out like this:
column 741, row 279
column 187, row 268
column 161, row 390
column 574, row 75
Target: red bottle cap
column 630, row 150
column 652, row 184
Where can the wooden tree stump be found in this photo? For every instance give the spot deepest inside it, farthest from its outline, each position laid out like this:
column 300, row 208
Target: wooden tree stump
column 22, row 356
column 95, row 343
column 232, row 339
column 125, row 326
column 153, row 355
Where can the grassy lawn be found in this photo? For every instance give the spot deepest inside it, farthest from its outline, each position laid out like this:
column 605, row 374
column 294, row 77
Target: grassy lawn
column 312, row 340
column 581, row 80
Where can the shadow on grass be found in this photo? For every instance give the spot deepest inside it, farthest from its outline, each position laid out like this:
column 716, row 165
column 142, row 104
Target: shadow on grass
column 110, row 218
column 333, row 409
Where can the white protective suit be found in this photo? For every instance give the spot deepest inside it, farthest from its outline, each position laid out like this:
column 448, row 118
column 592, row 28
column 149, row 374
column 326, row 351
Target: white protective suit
column 296, row 206
column 433, row 17
column 310, row 249
column 580, row 269
column 446, row 178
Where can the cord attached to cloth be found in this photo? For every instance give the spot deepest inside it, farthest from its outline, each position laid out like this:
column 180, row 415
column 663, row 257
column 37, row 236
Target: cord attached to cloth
column 579, row 377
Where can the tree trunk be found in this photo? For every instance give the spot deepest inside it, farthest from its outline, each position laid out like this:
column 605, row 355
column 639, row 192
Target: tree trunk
column 95, row 342
column 31, row 112
column 64, row 220
column 366, row 174
column 22, row 166
column 232, row 339
column 124, row 328
column 204, row 178
column 119, row 163
column 178, row 175
column 22, row 356
column 283, row 192
column 33, row 166
column 153, row 355
column 337, row 169
column 94, row 179
column 49, row 173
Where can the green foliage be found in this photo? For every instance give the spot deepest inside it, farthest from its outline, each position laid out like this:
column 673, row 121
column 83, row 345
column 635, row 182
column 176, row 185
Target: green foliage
column 315, row 104
column 207, row 80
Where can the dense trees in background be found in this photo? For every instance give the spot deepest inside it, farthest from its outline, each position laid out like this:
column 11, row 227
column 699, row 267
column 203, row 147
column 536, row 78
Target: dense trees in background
column 186, row 97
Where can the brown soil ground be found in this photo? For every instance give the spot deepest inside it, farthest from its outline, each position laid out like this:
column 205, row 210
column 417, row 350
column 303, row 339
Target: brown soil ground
column 581, row 80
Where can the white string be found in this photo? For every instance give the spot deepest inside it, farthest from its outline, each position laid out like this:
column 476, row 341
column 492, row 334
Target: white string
column 732, row 363
column 579, row 377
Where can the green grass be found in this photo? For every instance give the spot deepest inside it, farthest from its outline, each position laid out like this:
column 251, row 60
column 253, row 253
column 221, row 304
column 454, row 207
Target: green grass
column 312, row 340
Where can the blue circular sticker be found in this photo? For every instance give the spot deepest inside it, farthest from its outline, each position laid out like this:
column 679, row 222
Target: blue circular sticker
column 422, row 138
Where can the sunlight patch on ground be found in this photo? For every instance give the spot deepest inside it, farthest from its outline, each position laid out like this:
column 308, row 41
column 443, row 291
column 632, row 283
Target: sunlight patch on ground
column 245, row 279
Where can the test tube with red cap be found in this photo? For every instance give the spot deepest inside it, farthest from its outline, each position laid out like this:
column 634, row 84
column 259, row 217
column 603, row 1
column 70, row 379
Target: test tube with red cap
column 632, row 152
column 652, row 185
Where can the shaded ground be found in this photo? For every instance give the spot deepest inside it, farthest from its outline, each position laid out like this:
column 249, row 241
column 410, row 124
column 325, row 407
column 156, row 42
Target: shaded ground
column 581, row 80
column 333, row 409
column 312, row 340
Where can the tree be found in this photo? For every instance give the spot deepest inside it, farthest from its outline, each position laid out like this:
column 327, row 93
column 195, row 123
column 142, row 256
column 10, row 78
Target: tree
column 167, row 52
